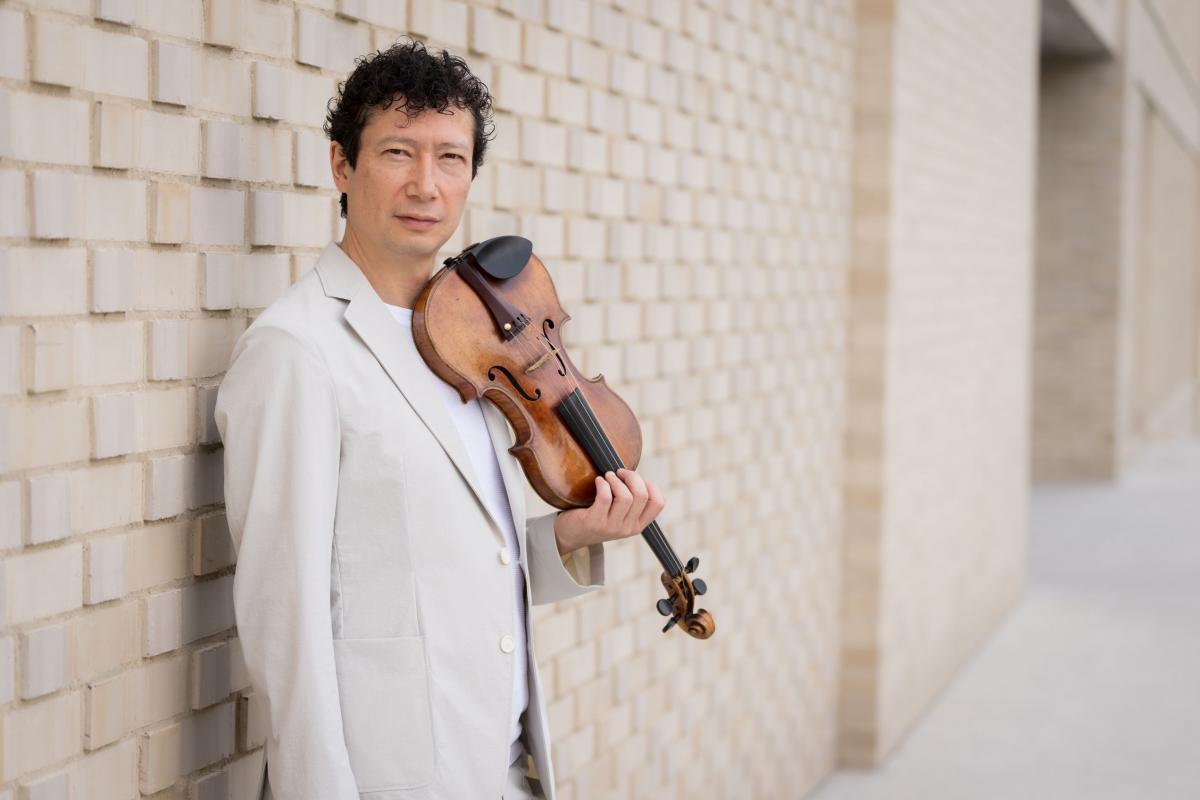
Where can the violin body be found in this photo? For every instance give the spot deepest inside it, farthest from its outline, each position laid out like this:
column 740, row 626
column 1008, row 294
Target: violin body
column 470, row 356
column 489, row 323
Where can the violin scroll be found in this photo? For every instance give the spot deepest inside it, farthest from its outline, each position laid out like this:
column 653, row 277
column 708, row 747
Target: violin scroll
column 679, row 605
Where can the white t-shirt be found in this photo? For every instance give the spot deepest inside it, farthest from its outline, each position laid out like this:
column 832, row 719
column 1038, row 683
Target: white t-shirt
column 468, row 419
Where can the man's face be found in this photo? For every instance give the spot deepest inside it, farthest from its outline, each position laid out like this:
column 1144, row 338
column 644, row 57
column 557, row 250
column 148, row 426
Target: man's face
column 406, row 193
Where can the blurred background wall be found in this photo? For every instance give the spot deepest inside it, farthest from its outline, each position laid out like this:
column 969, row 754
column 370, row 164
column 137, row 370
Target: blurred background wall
column 843, row 259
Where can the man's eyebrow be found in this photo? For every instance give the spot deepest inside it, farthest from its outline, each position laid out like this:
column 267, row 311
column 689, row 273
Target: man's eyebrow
column 411, row 142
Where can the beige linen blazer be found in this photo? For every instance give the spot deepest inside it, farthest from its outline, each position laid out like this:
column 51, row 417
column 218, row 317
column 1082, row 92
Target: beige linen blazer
column 372, row 595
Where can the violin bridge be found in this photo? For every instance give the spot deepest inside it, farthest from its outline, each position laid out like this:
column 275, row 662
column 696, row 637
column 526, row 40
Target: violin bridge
column 542, row 359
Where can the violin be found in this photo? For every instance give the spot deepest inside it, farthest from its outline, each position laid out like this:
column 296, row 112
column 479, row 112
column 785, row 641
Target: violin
column 489, row 323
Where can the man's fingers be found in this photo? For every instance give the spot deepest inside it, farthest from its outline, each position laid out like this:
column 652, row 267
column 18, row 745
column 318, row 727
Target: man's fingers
column 637, row 490
column 603, row 501
column 622, row 499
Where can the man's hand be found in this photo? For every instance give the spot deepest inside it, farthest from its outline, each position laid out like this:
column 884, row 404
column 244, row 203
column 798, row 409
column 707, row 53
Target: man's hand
column 625, row 504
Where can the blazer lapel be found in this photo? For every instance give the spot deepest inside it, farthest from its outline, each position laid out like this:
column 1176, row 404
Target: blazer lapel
column 374, row 324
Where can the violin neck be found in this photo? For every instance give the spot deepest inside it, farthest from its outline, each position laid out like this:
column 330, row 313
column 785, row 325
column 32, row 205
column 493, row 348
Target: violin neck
column 577, row 415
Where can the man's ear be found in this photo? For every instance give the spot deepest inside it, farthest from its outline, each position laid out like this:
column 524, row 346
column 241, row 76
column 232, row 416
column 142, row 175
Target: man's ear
column 340, row 167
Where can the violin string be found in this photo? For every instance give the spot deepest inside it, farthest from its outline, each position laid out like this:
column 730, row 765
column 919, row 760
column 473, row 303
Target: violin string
column 653, row 533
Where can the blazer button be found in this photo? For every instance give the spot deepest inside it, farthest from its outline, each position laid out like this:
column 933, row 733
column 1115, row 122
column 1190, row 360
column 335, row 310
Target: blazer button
column 507, row 644
column 504, row 556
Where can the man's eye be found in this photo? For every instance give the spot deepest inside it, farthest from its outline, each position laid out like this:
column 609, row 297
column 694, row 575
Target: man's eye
column 454, row 155
column 396, row 150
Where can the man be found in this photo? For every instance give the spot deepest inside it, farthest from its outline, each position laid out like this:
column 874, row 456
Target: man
column 384, row 560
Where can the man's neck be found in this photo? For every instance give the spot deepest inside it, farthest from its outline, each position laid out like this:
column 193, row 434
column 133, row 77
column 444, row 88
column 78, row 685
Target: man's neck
column 396, row 280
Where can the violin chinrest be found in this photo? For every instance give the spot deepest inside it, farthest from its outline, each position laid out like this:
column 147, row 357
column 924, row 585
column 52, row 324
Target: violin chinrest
column 502, row 257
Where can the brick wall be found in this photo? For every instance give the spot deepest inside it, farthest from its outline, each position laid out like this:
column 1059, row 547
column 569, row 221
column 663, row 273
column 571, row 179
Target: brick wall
column 683, row 167
column 940, row 294
column 1117, row 302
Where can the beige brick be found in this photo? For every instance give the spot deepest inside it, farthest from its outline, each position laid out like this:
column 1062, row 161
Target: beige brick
column 10, row 356
column 105, row 496
column 210, row 342
column 88, row 207
column 11, row 520
column 444, row 22
column 55, row 205
column 543, row 143
column 131, row 700
column 183, row 18
column 12, row 44
column 206, row 403
column 172, row 212
column 146, row 139
column 220, row 84
column 114, row 424
column 245, row 774
column 286, row 218
column 7, row 670
column 247, row 152
column 168, row 349
column 519, row 91
column 105, row 638
column 328, row 42
column 44, row 666
column 569, row 16
column 13, row 216
column 211, row 675
column 44, row 434
column 59, row 51
column 546, row 51
column 179, row 483
column 251, row 25
column 252, row 722
column 179, row 616
column 111, row 772
column 546, row 231
column 495, row 36
column 175, row 750
column 218, row 216
column 165, row 281
column 158, row 554
column 388, row 13
column 43, row 583
column 53, row 356
column 106, row 569
column 244, row 281
column 312, row 160
column 174, row 77
column 108, row 353
column 290, row 95
column 212, row 548
column 567, row 102
column 606, row 112
column 49, row 508
column 37, row 735
column 122, row 12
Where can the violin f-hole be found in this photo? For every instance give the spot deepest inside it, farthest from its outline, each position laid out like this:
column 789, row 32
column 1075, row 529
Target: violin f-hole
column 546, row 325
column 533, row 398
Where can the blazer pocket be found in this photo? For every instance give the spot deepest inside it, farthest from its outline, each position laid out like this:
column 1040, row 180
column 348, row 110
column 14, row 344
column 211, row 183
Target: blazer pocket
column 387, row 719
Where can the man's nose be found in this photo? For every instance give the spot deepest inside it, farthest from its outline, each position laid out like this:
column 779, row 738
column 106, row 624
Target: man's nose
column 421, row 183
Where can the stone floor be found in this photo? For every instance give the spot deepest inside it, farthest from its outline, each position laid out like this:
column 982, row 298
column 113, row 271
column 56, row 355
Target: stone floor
column 1090, row 689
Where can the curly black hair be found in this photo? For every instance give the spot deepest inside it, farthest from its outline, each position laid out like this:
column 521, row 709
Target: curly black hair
column 407, row 76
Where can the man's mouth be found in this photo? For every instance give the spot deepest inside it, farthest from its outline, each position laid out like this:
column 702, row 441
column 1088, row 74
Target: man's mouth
column 417, row 221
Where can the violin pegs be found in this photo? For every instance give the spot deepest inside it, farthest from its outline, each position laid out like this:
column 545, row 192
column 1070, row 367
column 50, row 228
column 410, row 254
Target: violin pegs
column 664, row 606
column 669, row 624
column 691, row 565
column 700, row 586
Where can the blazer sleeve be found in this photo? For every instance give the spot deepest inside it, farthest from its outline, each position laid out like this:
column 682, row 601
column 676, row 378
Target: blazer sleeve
column 277, row 415
column 553, row 577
